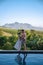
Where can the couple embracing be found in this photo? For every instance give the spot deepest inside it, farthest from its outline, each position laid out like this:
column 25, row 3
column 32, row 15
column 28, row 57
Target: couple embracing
column 21, row 40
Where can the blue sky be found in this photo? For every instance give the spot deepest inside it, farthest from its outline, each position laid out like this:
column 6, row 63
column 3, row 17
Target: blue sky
column 23, row 11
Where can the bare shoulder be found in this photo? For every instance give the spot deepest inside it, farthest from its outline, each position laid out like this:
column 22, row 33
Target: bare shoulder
column 25, row 33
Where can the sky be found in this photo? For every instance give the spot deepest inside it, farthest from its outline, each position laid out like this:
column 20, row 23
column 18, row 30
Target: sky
column 22, row 11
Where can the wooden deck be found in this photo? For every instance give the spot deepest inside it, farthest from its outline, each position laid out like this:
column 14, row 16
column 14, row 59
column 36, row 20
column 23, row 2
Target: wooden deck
column 21, row 52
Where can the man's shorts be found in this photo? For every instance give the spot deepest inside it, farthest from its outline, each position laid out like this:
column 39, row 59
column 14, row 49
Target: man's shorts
column 23, row 41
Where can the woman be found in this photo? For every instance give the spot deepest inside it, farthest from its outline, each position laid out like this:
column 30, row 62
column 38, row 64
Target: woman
column 18, row 43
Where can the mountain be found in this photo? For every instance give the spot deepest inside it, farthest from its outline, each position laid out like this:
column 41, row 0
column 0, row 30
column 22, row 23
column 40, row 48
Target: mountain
column 25, row 26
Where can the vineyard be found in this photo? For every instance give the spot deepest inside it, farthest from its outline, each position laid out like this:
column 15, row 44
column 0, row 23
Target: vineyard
column 8, row 38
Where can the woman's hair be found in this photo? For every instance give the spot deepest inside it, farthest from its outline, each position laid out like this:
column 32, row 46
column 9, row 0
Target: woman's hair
column 18, row 33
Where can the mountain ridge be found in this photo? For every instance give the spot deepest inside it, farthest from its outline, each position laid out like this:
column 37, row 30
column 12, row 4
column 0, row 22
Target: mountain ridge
column 25, row 26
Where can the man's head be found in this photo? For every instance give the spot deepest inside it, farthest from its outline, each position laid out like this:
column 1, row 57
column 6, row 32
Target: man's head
column 22, row 30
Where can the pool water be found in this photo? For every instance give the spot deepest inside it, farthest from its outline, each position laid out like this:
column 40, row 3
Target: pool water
column 11, row 59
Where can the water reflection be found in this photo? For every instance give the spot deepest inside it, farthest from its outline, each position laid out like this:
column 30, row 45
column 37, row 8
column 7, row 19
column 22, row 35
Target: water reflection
column 19, row 60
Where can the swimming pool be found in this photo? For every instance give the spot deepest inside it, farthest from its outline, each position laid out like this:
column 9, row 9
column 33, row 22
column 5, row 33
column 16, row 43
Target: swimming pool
column 31, row 59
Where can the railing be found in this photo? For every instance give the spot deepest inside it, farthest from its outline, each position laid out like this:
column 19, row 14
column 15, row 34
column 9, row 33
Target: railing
column 21, row 52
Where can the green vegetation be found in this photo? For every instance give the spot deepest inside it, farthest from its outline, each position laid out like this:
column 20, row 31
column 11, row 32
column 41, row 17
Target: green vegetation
column 8, row 38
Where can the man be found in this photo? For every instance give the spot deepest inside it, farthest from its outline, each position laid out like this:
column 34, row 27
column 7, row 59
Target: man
column 23, row 38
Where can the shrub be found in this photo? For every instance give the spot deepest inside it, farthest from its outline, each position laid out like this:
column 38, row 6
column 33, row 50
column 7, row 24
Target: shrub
column 12, row 39
column 3, row 40
column 40, row 45
column 7, row 46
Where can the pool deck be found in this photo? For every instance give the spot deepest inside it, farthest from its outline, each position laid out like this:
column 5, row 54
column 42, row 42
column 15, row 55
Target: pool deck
column 21, row 52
